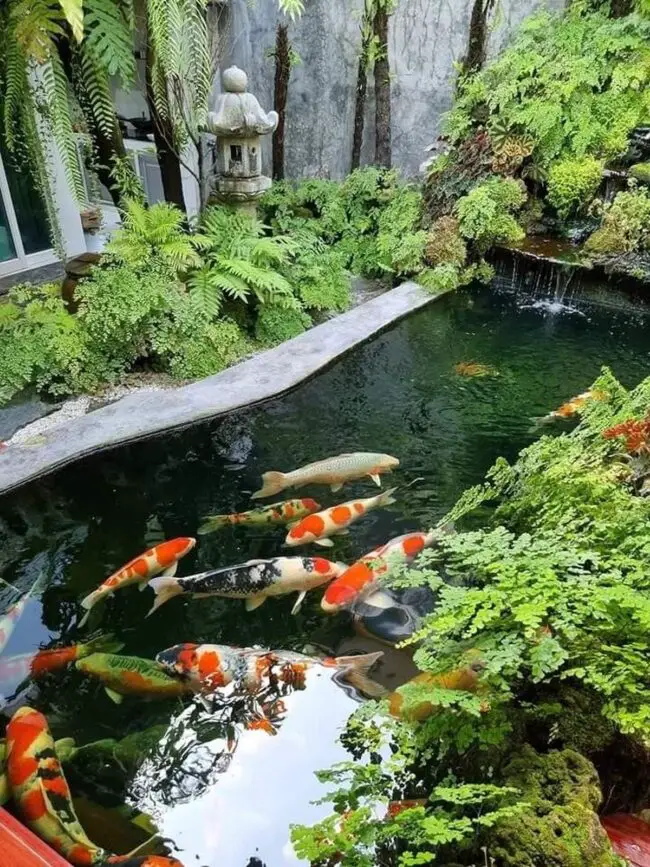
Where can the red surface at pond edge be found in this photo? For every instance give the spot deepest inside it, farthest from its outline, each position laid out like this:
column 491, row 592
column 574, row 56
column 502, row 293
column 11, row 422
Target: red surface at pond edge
column 20, row 848
column 630, row 838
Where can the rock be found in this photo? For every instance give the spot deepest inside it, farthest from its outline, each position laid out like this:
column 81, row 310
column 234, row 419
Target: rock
column 560, row 828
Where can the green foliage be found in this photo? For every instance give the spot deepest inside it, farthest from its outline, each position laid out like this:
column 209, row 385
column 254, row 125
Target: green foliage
column 641, row 172
column 625, row 227
column 275, row 324
column 444, row 243
column 485, row 214
column 572, row 184
column 400, row 241
column 149, row 232
column 575, row 82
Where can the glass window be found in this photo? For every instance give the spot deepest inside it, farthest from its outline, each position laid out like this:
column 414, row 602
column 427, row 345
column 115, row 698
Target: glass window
column 29, row 207
column 7, row 249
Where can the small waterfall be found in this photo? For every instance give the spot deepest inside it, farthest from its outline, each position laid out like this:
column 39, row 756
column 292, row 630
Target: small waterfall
column 537, row 280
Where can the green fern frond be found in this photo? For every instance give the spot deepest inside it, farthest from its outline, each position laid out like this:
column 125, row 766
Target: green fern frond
column 205, row 293
column 109, row 38
column 35, row 25
column 15, row 85
column 230, row 285
column 55, row 85
column 74, row 14
column 94, row 84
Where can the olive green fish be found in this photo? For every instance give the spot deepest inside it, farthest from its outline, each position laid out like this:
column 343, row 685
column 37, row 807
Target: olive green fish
column 283, row 512
column 132, row 675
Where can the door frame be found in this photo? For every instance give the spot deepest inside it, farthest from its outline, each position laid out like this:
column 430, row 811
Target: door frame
column 22, row 261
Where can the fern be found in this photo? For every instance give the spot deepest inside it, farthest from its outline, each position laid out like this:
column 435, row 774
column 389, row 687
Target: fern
column 109, row 38
column 55, row 85
column 94, row 84
column 74, row 14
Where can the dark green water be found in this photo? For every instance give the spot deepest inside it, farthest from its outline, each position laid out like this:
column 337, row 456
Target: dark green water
column 399, row 394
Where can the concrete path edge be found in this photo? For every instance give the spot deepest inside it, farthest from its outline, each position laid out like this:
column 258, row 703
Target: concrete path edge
column 262, row 377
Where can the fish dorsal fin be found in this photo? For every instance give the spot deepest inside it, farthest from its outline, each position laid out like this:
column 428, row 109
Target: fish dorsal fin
column 324, row 543
column 116, row 697
column 256, row 562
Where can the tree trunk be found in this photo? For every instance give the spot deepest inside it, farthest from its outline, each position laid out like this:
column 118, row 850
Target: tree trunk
column 282, row 74
column 163, row 133
column 478, row 29
column 360, row 100
column 621, row 8
column 383, row 149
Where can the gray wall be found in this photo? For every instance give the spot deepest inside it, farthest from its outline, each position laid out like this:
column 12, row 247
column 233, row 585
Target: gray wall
column 427, row 37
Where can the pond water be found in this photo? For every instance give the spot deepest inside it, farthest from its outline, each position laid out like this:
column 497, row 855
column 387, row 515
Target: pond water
column 221, row 793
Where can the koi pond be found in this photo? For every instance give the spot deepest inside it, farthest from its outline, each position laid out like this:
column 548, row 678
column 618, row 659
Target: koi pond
column 219, row 788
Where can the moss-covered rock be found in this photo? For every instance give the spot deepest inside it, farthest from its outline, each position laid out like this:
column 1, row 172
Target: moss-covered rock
column 560, row 828
column 641, row 172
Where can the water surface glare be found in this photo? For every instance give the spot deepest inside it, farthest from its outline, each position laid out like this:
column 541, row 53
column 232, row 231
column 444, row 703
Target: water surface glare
column 224, row 794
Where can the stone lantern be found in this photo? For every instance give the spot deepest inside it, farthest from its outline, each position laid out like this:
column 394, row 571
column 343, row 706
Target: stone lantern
column 239, row 123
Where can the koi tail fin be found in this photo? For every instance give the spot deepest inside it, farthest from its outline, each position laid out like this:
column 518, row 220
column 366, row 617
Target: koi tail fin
column 164, row 588
column 88, row 603
column 272, row 483
column 101, row 644
column 386, row 498
column 355, row 671
column 211, row 523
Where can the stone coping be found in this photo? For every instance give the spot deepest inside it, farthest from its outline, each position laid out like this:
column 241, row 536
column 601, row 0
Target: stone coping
column 265, row 375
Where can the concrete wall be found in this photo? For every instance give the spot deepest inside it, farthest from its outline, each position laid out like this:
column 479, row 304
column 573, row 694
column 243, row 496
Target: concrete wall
column 427, row 38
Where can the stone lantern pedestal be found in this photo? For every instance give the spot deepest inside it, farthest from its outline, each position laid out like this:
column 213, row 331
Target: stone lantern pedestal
column 239, row 123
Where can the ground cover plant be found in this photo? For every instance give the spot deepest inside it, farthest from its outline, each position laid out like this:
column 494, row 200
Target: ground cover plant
column 533, row 706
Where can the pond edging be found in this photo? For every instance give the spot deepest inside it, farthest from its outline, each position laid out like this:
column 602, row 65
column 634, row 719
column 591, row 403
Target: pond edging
column 264, row 376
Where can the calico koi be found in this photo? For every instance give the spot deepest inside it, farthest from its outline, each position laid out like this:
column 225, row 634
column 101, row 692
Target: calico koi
column 40, row 790
column 362, row 575
column 283, row 512
column 330, row 471
column 254, row 581
column 131, row 675
column 335, row 521
column 162, row 558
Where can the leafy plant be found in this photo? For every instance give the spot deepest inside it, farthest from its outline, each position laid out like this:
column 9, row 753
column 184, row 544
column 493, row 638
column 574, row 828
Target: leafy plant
column 625, row 226
column 485, row 215
column 573, row 183
column 444, row 243
column 275, row 324
column 153, row 232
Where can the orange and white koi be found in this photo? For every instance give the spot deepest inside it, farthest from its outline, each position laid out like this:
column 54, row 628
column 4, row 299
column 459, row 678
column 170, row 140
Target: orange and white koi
column 40, row 790
column 211, row 666
column 9, row 620
column 144, row 861
column 330, row 471
column 162, row 558
column 19, row 668
column 335, row 521
column 574, row 406
column 254, row 581
column 277, row 513
column 362, row 575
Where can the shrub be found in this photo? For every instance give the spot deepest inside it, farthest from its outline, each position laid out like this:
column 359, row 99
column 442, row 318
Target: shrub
column 625, row 227
column 191, row 348
column 442, row 278
column 572, row 184
column 485, row 214
column 153, row 231
column 275, row 324
column 444, row 244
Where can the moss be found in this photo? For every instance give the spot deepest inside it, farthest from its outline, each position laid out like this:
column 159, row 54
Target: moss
column 560, row 828
column 641, row 172
column 276, row 324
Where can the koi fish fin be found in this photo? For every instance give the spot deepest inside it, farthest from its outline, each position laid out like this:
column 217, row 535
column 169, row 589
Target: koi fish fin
column 298, row 602
column 355, row 672
column 254, row 602
column 211, row 523
column 170, row 571
column 342, row 533
column 366, row 603
column 293, row 524
column 89, row 601
column 65, row 749
column 376, row 479
column 102, row 644
column 164, row 588
column 272, row 483
column 142, row 849
column 336, row 487
column 114, row 696
column 324, row 543
column 387, row 498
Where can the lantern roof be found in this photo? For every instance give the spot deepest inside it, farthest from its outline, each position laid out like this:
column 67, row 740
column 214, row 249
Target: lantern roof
column 238, row 113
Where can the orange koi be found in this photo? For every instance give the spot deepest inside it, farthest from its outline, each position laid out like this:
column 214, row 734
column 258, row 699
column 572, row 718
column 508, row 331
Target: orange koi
column 162, row 559
column 363, row 574
column 19, row 668
column 319, row 527
column 574, row 406
column 144, row 861
column 465, row 679
column 277, row 513
column 41, row 792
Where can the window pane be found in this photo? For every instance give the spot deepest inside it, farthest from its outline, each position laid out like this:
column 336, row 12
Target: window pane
column 7, row 249
column 29, row 207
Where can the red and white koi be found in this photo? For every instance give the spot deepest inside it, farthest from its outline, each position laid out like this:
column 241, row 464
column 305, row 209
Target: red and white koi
column 161, row 559
column 330, row 471
column 32, row 665
column 40, row 790
column 362, row 576
column 574, row 406
column 276, row 513
column 254, row 581
column 335, row 521
column 211, row 666
column 9, row 620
